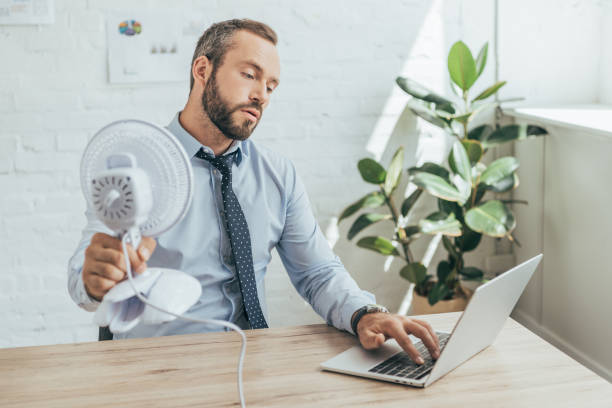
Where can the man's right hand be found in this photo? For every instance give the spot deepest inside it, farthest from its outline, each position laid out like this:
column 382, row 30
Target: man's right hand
column 105, row 265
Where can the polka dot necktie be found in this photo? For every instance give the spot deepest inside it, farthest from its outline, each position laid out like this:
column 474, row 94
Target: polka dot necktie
column 239, row 239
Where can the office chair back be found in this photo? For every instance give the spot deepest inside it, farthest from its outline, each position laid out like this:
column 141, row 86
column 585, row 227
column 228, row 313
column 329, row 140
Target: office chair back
column 104, row 334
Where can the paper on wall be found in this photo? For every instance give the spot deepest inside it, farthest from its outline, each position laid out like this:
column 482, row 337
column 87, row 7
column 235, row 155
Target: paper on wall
column 27, row 12
column 148, row 47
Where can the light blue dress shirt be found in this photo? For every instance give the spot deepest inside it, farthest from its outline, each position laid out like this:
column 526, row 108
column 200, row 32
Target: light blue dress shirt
column 278, row 213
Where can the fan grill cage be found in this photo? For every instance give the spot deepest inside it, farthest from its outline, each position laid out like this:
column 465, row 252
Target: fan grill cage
column 159, row 154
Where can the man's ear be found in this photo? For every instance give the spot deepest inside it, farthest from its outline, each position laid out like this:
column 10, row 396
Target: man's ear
column 201, row 69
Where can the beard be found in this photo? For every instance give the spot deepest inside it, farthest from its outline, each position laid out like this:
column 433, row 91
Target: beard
column 220, row 113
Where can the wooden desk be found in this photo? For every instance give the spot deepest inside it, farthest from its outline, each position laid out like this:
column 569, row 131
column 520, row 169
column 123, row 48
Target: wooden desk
column 282, row 370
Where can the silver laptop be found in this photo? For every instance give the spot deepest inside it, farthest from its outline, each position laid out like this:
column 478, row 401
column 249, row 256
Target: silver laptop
column 476, row 329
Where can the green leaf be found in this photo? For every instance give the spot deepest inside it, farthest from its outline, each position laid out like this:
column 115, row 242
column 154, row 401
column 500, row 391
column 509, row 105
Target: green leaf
column 437, row 216
column 448, row 225
column 450, row 247
column 491, row 218
column 461, row 66
column 477, row 170
column 410, row 201
column 464, row 188
column 461, row 162
column 414, row 272
column 463, row 117
column 394, row 171
column 467, row 117
column 474, row 151
column 506, row 184
column 511, row 201
column 469, row 239
column 433, row 168
column 427, row 114
column 449, row 207
column 481, row 59
column 481, row 189
column 411, row 230
column 378, row 244
column 471, row 273
column 498, row 170
column 489, row 91
column 371, row 171
column 444, row 269
column 417, row 90
column 438, row 187
column 438, row 292
column 372, row 200
column 511, row 133
column 365, row 220
column 480, row 133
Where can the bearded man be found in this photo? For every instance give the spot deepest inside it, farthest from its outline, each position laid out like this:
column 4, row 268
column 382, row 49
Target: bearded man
column 248, row 200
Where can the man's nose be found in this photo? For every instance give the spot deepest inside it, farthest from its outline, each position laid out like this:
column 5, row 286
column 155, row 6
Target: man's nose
column 260, row 95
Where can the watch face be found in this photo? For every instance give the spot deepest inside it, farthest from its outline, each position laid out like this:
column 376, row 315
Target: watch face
column 376, row 308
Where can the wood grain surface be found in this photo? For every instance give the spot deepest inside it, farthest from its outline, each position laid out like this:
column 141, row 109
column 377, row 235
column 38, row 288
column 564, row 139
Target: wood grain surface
column 282, row 370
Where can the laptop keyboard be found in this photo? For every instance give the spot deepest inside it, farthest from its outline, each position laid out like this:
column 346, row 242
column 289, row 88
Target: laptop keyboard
column 401, row 365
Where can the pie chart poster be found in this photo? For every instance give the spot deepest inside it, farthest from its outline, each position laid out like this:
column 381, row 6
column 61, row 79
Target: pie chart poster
column 147, row 47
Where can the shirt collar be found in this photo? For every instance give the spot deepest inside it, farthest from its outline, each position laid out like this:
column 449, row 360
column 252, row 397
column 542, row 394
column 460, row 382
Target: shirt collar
column 191, row 144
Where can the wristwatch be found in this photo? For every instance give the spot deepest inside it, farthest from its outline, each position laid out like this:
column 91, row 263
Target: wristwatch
column 362, row 311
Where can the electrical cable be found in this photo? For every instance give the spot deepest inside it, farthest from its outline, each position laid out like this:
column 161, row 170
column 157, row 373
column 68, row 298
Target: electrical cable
column 205, row 321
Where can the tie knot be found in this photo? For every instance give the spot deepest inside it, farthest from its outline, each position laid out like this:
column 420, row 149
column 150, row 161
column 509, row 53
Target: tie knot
column 223, row 163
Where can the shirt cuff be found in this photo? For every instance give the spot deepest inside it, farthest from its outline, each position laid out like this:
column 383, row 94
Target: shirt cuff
column 83, row 299
column 352, row 305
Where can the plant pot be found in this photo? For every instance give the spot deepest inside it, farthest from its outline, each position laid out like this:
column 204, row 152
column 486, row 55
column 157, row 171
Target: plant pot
column 420, row 305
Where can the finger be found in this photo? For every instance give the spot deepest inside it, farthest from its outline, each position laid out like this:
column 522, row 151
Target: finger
column 114, row 243
column 146, row 248
column 116, row 258
column 105, row 240
column 430, row 329
column 422, row 333
column 111, row 256
column 371, row 340
column 99, row 286
column 137, row 262
column 107, row 271
column 396, row 330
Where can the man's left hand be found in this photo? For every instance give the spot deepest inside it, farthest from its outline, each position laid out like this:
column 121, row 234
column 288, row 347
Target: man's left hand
column 374, row 329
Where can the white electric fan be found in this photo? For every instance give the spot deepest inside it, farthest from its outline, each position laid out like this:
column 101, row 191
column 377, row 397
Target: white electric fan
column 138, row 180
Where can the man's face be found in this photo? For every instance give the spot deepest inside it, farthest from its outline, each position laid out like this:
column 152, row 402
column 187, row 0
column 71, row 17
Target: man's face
column 239, row 90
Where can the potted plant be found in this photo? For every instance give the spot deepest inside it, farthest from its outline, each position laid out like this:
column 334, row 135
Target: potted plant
column 466, row 208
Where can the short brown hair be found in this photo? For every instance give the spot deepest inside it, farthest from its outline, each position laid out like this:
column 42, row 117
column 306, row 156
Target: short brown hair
column 217, row 40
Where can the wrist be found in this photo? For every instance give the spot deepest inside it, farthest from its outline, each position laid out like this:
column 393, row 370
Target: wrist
column 362, row 311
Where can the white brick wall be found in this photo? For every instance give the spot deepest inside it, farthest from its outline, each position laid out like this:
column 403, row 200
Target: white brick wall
column 339, row 60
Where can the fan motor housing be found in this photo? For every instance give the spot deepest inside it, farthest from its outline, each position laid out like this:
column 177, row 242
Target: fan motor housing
column 122, row 197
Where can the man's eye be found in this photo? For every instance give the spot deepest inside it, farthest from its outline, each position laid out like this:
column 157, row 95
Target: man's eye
column 247, row 75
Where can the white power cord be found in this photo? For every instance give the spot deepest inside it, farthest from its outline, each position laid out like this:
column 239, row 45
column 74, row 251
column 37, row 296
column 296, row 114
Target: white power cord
column 205, row 321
